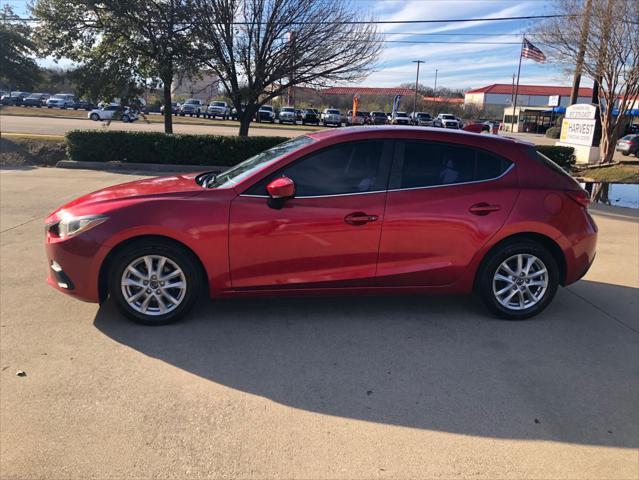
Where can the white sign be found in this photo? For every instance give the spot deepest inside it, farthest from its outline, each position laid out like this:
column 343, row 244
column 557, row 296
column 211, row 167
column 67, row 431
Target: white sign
column 578, row 131
column 581, row 111
column 553, row 101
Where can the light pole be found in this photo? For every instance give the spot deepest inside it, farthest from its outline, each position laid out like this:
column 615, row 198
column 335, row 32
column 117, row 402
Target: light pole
column 435, row 87
column 418, row 62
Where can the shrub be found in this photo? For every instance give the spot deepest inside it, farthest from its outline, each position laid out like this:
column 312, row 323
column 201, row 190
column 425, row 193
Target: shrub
column 553, row 132
column 562, row 156
column 156, row 147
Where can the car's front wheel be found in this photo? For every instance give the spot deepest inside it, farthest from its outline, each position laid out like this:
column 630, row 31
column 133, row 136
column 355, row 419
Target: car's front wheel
column 518, row 280
column 154, row 283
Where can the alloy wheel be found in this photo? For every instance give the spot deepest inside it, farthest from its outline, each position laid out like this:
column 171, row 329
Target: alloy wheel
column 520, row 282
column 153, row 285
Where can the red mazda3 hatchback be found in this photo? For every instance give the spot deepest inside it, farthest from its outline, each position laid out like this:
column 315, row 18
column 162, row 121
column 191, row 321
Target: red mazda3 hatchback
column 361, row 210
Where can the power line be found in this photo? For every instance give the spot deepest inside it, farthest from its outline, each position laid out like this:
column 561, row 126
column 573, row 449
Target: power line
column 370, row 22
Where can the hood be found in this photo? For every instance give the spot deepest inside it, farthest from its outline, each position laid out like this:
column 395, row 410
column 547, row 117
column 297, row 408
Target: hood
column 167, row 186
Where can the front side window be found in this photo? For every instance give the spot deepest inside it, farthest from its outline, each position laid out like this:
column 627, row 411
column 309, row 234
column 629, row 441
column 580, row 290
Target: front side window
column 430, row 164
column 353, row 167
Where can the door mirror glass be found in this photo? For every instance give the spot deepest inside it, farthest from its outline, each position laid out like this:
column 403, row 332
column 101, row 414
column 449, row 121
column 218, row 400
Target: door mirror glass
column 281, row 188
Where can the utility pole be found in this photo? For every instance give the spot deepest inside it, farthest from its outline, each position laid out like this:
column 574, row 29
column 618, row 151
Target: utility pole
column 512, row 117
column 435, row 87
column 574, row 94
column 418, row 62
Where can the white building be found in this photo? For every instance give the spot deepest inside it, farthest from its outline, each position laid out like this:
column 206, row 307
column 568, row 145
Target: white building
column 500, row 95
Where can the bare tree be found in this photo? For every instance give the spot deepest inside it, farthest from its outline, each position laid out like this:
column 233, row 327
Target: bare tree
column 260, row 48
column 610, row 56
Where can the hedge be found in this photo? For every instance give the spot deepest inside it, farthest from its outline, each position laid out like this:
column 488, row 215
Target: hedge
column 156, row 147
column 562, row 156
column 553, row 132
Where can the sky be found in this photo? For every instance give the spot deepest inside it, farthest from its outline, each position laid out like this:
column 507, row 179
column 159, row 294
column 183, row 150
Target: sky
column 462, row 66
column 459, row 65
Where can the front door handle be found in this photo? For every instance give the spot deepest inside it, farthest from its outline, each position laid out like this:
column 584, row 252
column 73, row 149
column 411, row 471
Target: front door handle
column 359, row 218
column 483, row 209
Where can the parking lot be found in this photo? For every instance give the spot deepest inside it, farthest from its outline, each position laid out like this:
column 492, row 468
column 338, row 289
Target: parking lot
column 391, row 387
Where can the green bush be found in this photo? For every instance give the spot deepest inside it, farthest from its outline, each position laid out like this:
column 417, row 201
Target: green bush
column 562, row 156
column 553, row 132
column 156, row 147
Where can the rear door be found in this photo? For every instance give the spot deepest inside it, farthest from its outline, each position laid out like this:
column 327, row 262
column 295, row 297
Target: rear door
column 444, row 202
column 327, row 235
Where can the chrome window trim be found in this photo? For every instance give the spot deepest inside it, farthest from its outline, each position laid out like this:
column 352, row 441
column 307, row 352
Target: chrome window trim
column 512, row 165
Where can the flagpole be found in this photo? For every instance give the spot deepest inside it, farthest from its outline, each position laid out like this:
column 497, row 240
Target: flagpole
column 512, row 118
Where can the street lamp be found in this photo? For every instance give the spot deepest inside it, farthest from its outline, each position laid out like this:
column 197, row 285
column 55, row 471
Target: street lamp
column 418, row 62
column 435, row 87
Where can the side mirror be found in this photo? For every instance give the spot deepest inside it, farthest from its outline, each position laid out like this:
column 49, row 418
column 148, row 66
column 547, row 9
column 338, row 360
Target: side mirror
column 280, row 190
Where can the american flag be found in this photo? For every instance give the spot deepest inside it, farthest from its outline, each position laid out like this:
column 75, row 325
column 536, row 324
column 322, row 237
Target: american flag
column 530, row 51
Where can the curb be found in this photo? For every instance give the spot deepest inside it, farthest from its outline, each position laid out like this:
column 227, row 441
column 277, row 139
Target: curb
column 136, row 167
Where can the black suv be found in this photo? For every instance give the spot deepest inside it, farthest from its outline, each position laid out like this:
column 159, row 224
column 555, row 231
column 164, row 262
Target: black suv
column 310, row 115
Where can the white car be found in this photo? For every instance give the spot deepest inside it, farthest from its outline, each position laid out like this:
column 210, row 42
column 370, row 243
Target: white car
column 218, row 109
column 287, row 115
column 446, row 120
column 107, row 113
column 193, row 106
column 331, row 116
column 61, row 100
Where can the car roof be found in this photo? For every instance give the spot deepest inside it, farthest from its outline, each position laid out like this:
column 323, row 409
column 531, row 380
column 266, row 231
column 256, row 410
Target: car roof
column 392, row 130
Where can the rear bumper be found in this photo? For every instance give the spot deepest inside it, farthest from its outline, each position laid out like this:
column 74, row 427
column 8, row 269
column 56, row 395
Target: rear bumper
column 580, row 253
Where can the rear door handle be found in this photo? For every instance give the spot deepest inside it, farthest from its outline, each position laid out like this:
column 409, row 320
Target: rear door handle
column 359, row 218
column 483, row 209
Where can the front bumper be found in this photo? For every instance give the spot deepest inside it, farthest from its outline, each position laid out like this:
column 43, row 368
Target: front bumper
column 74, row 265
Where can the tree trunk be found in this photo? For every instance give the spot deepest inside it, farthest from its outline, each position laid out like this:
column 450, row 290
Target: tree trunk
column 245, row 123
column 168, row 107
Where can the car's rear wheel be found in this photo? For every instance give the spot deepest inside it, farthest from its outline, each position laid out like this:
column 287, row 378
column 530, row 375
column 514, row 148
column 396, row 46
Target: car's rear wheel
column 95, row 117
column 154, row 283
column 126, row 119
column 518, row 280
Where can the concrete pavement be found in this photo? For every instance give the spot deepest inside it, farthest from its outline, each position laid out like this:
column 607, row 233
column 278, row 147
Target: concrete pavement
column 395, row 387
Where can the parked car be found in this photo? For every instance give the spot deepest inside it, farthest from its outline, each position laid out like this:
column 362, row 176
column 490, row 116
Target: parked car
column 421, row 119
column 287, row 115
column 175, row 108
column 218, row 109
column 84, row 105
column 401, row 118
column 234, row 114
column 475, row 127
column 331, row 116
column 378, row 118
column 35, row 100
column 14, row 98
column 298, row 114
column 265, row 114
column 192, row 107
column 360, row 118
column 310, row 116
column 61, row 100
column 461, row 213
column 446, row 120
column 125, row 114
column 628, row 145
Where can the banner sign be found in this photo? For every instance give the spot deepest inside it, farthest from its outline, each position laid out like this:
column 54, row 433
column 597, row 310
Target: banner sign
column 581, row 111
column 396, row 105
column 553, row 101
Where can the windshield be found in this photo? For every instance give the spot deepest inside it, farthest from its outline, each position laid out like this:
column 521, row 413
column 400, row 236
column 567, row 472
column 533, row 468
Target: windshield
column 267, row 108
column 308, row 110
column 401, row 114
column 423, row 115
column 378, row 114
column 193, row 102
column 332, row 112
column 448, row 117
column 248, row 167
column 219, row 104
column 290, row 110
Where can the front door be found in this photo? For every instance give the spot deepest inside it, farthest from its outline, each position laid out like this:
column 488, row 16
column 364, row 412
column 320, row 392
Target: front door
column 327, row 235
column 444, row 203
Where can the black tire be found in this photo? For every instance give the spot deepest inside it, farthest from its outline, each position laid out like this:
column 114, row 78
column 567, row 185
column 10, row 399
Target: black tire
column 177, row 254
column 484, row 284
column 126, row 119
column 625, row 154
column 95, row 117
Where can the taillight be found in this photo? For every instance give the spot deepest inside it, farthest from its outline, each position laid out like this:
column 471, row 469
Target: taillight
column 579, row 196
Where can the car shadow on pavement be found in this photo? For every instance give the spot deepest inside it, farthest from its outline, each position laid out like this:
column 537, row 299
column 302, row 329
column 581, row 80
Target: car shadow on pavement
column 438, row 363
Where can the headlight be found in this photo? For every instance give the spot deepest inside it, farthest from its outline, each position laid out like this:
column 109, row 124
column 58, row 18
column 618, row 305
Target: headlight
column 71, row 226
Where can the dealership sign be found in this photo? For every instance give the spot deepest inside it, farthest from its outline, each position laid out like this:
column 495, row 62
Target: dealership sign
column 579, row 125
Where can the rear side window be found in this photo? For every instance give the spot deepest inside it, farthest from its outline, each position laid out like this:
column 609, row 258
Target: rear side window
column 430, row 164
column 353, row 167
